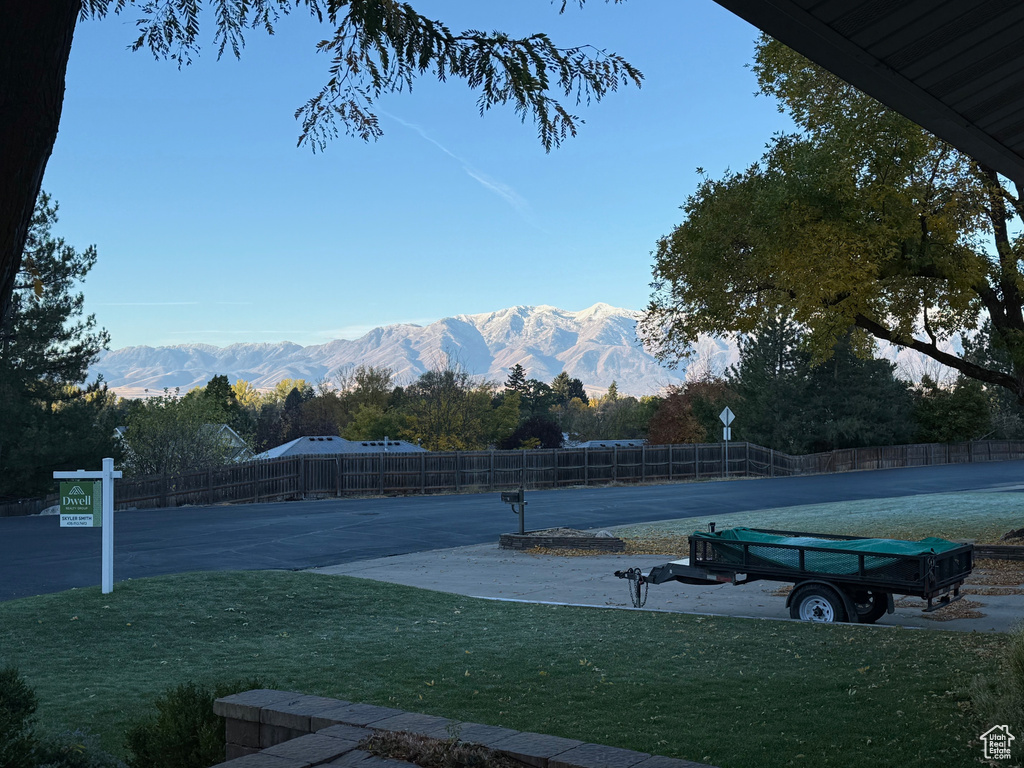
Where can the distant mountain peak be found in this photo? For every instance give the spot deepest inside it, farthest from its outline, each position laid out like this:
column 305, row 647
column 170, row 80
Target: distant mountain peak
column 597, row 345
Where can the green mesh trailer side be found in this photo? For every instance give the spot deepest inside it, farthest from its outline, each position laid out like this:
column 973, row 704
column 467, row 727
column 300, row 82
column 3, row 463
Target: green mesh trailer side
column 894, row 558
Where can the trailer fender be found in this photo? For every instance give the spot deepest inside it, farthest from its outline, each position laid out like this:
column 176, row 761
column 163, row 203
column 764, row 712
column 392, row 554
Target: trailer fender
column 851, row 609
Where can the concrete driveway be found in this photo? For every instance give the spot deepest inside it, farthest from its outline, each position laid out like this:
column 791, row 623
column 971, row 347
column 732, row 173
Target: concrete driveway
column 485, row 571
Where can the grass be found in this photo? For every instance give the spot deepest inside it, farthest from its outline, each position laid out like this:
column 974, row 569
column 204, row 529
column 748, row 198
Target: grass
column 980, row 516
column 730, row 692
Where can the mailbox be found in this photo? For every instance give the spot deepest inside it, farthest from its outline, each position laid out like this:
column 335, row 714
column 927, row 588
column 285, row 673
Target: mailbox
column 512, row 497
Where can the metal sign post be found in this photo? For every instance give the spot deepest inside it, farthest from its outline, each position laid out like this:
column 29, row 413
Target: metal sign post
column 106, row 476
column 727, row 417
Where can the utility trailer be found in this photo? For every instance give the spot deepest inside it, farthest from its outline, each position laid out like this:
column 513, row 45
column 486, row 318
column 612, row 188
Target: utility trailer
column 835, row 578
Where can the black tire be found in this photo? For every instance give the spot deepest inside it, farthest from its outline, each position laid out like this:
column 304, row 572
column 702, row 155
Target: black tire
column 817, row 602
column 870, row 605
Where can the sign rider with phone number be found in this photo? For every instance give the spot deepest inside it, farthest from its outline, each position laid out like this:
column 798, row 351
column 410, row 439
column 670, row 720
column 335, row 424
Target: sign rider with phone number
column 81, row 504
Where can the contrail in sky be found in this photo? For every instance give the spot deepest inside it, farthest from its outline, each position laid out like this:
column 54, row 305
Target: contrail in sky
column 502, row 190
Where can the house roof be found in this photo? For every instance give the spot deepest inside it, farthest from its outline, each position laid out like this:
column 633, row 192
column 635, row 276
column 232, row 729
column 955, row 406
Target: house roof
column 610, row 444
column 955, row 67
column 332, row 445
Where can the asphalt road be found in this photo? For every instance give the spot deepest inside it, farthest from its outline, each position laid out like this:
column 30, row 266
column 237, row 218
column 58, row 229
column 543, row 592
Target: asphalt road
column 37, row 556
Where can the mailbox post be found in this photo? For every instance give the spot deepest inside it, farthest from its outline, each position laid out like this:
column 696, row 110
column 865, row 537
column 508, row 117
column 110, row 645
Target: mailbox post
column 517, row 498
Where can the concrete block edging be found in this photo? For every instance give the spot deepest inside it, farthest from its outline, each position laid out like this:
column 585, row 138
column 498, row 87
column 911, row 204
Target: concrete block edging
column 281, row 729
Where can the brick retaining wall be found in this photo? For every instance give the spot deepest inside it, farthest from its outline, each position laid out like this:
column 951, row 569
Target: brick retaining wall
column 280, row 729
column 998, row 552
column 530, row 541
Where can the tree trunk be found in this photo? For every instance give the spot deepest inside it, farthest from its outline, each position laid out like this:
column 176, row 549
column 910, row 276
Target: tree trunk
column 35, row 43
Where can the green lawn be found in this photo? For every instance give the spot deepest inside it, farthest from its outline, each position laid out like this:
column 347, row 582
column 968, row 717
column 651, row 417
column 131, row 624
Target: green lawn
column 981, row 516
column 731, row 692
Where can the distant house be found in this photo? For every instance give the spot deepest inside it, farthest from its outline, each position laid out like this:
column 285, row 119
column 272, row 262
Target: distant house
column 331, row 445
column 636, row 443
column 239, row 449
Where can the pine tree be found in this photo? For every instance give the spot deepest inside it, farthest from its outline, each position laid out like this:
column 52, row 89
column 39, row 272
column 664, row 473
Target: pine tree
column 47, row 343
column 516, row 380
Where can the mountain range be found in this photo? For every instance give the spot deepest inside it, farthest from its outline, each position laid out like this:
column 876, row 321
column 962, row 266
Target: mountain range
column 597, row 345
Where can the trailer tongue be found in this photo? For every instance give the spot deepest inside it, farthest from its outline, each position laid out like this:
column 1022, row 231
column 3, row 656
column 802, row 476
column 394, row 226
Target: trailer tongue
column 835, row 578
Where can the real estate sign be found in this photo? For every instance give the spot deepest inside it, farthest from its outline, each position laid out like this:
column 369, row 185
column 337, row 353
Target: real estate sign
column 81, row 504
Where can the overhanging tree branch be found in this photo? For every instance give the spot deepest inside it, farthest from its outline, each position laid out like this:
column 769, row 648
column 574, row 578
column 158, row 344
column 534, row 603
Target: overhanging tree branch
column 930, row 349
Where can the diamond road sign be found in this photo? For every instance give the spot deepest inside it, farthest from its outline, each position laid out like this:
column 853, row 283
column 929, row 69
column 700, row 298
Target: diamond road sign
column 727, row 416
column 81, row 504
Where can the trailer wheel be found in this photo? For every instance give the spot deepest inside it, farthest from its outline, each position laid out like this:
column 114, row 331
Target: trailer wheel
column 871, row 605
column 816, row 602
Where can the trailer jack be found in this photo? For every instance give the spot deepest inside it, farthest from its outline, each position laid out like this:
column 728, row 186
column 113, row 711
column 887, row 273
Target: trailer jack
column 637, row 585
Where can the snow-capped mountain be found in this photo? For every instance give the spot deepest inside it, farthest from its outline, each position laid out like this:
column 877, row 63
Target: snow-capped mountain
column 597, row 345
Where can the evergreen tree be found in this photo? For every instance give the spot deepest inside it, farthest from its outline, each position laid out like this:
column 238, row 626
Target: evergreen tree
column 537, row 398
column 768, row 386
column 576, row 392
column 951, row 415
column 516, row 380
column 560, row 388
column 851, row 402
column 788, row 403
column 565, row 389
column 47, row 343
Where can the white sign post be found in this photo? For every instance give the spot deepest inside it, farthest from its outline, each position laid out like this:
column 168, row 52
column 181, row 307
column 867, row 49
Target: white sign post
column 727, row 417
column 107, row 475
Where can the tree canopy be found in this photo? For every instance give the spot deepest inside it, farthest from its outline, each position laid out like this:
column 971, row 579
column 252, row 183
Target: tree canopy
column 859, row 219
column 375, row 47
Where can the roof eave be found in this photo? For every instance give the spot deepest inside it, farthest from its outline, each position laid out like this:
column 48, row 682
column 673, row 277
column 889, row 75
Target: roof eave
column 790, row 24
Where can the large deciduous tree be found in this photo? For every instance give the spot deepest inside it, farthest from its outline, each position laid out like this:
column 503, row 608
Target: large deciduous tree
column 375, row 47
column 859, row 219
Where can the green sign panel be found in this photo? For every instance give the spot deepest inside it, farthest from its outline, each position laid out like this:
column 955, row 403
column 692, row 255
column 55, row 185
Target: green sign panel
column 81, row 504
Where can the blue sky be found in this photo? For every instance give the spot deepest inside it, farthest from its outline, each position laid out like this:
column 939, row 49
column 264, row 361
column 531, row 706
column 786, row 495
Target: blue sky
column 212, row 226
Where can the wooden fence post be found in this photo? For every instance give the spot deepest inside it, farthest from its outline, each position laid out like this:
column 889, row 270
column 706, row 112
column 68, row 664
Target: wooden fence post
column 615, row 463
column 643, row 463
column 209, row 485
column 586, row 465
column 457, row 471
column 490, row 470
column 696, row 461
column 380, row 473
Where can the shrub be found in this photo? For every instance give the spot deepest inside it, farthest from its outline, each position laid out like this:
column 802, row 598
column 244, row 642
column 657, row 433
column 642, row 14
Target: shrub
column 17, row 714
column 75, row 749
column 184, row 732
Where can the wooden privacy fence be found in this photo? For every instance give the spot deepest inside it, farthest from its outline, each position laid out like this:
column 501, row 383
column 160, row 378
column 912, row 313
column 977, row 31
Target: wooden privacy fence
column 421, row 473
column 23, row 507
